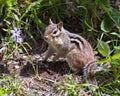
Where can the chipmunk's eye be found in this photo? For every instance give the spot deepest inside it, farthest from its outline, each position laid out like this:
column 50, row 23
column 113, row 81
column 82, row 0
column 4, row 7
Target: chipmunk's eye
column 55, row 32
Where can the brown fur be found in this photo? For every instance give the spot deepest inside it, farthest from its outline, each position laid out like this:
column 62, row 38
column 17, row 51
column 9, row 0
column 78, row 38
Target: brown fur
column 79, row 58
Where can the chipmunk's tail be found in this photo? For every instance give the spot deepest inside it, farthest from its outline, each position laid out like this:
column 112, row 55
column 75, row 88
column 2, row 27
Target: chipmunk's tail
column 89, row 72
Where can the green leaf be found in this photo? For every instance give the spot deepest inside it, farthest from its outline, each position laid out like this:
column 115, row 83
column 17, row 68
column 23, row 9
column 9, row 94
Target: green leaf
column 103, row 48
column 2, row 91
column 112, row 58
column 104, row 4
column 8, row 3
column 104, row 61
column 113, row 13
column 115, row 57
column 115, row 16
column 116, row 34
column 106, row 25
column 116, row 49
column 16, row 17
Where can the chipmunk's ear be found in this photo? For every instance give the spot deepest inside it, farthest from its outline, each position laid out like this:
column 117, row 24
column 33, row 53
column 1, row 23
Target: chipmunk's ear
column 50, row 21
column 60, row 25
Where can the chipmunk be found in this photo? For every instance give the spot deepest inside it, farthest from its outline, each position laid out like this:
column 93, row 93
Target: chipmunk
column 58, row 41
column 77, row 51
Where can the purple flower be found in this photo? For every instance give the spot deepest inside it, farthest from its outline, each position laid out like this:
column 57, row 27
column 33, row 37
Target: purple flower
column 16, row 35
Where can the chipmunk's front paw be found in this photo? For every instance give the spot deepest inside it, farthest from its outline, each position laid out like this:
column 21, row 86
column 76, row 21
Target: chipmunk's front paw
column 55, row 58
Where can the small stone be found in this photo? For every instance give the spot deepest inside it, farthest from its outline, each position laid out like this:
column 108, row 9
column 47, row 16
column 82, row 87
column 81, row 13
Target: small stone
column 9, row 62
column 15, row 63
column 24, row 57
column 17, row 67
column 3, row 49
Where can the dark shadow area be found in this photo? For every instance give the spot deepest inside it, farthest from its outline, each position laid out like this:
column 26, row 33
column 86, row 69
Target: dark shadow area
column 60, row 67
column 3, row 69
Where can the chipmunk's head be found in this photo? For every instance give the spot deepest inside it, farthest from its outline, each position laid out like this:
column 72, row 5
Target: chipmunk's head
column 53, row 32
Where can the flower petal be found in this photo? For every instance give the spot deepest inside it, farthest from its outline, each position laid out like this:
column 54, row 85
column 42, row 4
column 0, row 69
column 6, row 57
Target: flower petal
column 15, row 29
column 19, row 32
column 19, row 39
column 12, row 31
